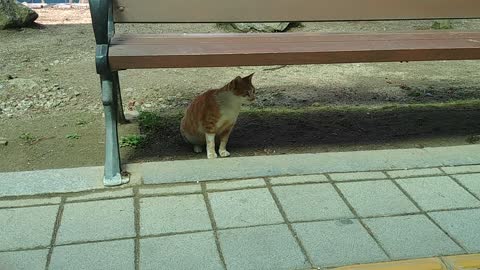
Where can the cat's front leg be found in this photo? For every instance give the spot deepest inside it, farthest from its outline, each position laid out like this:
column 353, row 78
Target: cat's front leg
column 223, row 143
column 210, row 138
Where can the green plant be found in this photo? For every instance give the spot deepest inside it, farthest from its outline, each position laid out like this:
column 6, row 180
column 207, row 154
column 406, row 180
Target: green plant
column 148, row 120
column 131, row 141
column 73, row 136
column 28, row 137
column 442, row 25
column 473, row 139
column 81, row 123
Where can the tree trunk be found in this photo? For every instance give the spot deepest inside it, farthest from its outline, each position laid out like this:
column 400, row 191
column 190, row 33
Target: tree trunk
column 13, row 15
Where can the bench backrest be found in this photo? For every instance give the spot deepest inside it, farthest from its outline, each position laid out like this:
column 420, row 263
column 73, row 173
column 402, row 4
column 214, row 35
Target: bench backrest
column 170, row 11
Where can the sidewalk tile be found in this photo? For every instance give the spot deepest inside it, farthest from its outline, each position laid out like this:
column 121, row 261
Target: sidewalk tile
column 462, row 225
column 412, row 236
column 470, row 181
column 312, row 202
column 414, row 172
column 159, row 215
column 29, row 202
column 258, row 248
column 357, row 176
column 298, row 179
column 244, row 208
column 462, row 169
column 118, row 255
column 416, row 264
column 438, row 193
column 171, row 189
column 27, row 227
column 96, row 220
column 235, row 184
column 376, row 198
column 339, row 242
column 24, row 260
column 102, row 195
column 185, row 251
column 466, row 262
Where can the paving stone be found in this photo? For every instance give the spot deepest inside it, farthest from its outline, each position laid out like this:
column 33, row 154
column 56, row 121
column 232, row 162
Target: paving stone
column 412, row 264
column 471, row 182
column 27, row 227
column 375, row 198
column 159, row 215
column 414, row 172
column 50, row 181
column 244, row 208
column 96, row 220
column 339, row 242
column 103, row 195
column 312, row 202
column 116, row 255
column 24, row 260
column 435, row 193
column 465, row 262
column 357, row 176
column 29, row 202
column 258, row 248
column 298, row 179
column 412, row 236
column 462, row 169
column 462, row 225
column 238, row 184
column 173, row 189
column 185, row 251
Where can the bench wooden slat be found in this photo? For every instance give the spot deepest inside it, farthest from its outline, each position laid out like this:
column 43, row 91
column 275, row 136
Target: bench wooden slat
column 167, row 51
column 290, row 10
column 287, row 37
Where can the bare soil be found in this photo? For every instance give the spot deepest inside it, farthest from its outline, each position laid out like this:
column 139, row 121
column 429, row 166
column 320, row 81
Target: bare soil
column 51, row 114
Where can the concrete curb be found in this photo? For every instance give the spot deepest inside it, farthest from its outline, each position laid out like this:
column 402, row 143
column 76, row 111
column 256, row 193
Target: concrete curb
column 30, row 183
column 303, row 164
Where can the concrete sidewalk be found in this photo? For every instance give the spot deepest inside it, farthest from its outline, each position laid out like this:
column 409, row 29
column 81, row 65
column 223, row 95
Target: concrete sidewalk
column 323, row 220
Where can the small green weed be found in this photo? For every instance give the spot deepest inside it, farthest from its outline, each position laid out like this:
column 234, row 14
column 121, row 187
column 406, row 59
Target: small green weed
column 131, row 141
column 28, row 137
column 473, row 139
column 81, row 123
column 442, row 25
column 73, row 136
column 150, row 122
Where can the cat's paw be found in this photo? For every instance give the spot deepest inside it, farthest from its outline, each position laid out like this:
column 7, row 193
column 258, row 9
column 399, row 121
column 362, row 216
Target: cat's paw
column 224, row 153
column 211, row 155
column 197, row 149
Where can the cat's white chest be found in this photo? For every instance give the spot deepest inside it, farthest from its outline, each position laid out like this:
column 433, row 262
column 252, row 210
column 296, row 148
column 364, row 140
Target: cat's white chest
column 228, row 117
column 229, row 110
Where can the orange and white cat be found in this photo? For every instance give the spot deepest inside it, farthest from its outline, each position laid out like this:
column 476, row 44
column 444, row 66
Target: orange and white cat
column 214, row 113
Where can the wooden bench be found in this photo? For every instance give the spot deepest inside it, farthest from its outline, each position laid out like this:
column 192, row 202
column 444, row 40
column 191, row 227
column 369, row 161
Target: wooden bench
column 120, row 52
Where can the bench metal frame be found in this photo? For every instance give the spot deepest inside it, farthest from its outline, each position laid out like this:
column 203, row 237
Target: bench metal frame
column 104, row 29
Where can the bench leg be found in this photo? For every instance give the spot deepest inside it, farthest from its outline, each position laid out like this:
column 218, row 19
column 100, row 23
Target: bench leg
column 118, row 99
column 112, row 173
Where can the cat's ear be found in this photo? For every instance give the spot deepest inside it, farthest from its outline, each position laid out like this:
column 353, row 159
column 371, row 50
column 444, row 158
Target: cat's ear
column 235, row 82
column 249, row 78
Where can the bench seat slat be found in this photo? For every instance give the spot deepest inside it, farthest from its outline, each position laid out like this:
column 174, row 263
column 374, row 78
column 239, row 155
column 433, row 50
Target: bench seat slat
column 219, row 50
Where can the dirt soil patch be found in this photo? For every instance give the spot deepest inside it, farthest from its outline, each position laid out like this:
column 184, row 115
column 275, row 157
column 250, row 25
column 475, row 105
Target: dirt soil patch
column 51, row 114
